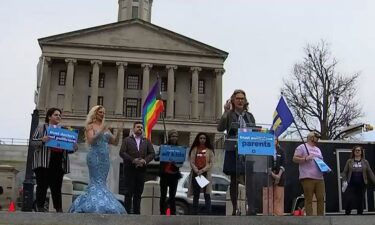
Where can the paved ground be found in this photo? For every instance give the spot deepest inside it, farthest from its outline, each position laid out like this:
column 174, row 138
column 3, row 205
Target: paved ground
column 21, row 218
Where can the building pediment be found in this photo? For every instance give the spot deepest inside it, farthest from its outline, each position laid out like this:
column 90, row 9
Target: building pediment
column 136, row 35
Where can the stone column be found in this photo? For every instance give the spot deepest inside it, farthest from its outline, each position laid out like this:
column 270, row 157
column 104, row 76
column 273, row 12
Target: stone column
column 219, row 92
column 45, row 84
column 146, row 81
column 120, row 87
column 114, row 169
column 95, row 82
column 194, row 92
column 69, row 84
column 170, row 92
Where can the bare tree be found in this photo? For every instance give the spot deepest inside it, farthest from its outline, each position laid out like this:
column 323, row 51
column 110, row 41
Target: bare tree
column 321, row 98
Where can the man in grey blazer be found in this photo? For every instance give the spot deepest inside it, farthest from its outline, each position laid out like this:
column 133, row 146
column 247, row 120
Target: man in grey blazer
column 137, row 152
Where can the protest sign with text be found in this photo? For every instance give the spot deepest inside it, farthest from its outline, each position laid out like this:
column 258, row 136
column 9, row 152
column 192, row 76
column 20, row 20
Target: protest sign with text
column 61, row 138
column 255, row 143
column 173, row 153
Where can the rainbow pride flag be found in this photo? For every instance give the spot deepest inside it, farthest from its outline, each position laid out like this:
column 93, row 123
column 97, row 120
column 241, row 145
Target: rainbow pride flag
column 151, row 110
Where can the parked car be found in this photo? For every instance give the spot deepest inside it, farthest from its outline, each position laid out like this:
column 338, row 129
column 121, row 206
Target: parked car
column 184, row 203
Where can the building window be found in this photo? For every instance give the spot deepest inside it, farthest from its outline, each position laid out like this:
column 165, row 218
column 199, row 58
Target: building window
column 201, row 86
column 62, row 78
column 133, row 82
column 90, row 79
column 101, row 80
column 134, row 12
column 100, row 100
column 132, row 107
column 88, row 103
column 164, row 84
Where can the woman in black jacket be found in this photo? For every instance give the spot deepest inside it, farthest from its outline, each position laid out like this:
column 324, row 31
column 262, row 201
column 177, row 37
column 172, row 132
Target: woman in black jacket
column 356, row 176
column 49, row 164
column 169, row 175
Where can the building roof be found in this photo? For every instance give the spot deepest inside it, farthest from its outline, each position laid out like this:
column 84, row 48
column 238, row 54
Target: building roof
column 133, row 35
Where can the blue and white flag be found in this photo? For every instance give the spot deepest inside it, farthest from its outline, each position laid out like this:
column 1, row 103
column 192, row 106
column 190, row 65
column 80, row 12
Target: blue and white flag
column 282, row 118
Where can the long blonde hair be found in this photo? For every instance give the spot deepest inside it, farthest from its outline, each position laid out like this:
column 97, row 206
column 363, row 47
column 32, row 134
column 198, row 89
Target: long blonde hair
column 91, row 116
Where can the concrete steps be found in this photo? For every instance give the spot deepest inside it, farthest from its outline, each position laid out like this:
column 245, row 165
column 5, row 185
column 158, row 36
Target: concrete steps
column 21, row 218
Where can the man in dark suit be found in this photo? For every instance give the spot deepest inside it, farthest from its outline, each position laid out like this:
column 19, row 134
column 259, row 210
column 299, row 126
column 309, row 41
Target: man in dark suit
column 137, row 152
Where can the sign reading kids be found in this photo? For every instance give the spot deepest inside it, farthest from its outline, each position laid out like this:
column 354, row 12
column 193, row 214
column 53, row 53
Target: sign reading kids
column 61, row 138
column 173, row 153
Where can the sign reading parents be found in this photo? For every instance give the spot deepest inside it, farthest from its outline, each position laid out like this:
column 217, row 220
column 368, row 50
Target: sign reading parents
column 255, row 143
column 172, row 153
column 61, row 138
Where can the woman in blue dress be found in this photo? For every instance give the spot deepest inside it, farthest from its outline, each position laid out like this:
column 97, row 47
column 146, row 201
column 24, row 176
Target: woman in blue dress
column 97, row 198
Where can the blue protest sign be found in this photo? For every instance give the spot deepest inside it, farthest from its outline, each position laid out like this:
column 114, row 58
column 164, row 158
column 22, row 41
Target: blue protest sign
column 323, row 167
column 61, row 138
column 172, row 153
column 255, row 143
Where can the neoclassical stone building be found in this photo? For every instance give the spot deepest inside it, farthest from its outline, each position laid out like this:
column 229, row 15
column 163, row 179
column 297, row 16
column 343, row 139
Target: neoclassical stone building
column 116, row 64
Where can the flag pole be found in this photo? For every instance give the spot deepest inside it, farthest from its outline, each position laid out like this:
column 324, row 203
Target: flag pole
column 299, row 132
column 162, row 114
column 300, row 135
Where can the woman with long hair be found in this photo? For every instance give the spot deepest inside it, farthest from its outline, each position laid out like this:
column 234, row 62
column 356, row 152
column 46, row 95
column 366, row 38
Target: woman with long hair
column 356, row 175
column 201, row 157
column 97, row 198
column 49, row 164
column 237, row 115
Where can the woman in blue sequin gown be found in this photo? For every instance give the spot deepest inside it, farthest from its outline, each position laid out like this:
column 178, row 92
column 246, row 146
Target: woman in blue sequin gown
column 97, row 198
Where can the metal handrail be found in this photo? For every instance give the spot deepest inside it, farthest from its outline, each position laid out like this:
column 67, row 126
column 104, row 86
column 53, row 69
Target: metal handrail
column 14, row 141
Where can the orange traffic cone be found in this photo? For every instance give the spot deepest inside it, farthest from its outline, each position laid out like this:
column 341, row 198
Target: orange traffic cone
column 168, row 212
column 12, row 208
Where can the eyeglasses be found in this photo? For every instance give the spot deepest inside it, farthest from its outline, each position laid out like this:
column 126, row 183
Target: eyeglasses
column 358, row 150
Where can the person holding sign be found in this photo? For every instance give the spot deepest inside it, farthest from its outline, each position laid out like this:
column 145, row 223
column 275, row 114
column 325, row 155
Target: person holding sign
column 236, row 115
column 201, row 157
column 49, row 164
column 97, row 198
column 169, row 175
column 356, row 174
column 310, row 175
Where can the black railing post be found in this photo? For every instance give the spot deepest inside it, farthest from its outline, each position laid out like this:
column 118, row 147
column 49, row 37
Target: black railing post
column 28, row 184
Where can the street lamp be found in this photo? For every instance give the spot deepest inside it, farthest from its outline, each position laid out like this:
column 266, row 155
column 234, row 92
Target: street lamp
column 28, row 184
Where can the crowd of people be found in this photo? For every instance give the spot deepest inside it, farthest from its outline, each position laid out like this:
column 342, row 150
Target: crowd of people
column 50, row 165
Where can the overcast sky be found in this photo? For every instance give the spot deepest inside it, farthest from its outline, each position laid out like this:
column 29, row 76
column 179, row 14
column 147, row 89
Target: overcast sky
column 264, row 39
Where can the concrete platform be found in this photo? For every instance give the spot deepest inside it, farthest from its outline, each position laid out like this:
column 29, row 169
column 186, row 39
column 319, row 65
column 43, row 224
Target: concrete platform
column 21, row 218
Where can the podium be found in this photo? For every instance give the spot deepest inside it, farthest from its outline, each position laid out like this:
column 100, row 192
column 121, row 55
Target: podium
column 253, row 149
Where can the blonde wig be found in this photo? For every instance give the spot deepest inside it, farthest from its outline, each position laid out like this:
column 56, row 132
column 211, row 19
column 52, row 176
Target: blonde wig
column 91, row 116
